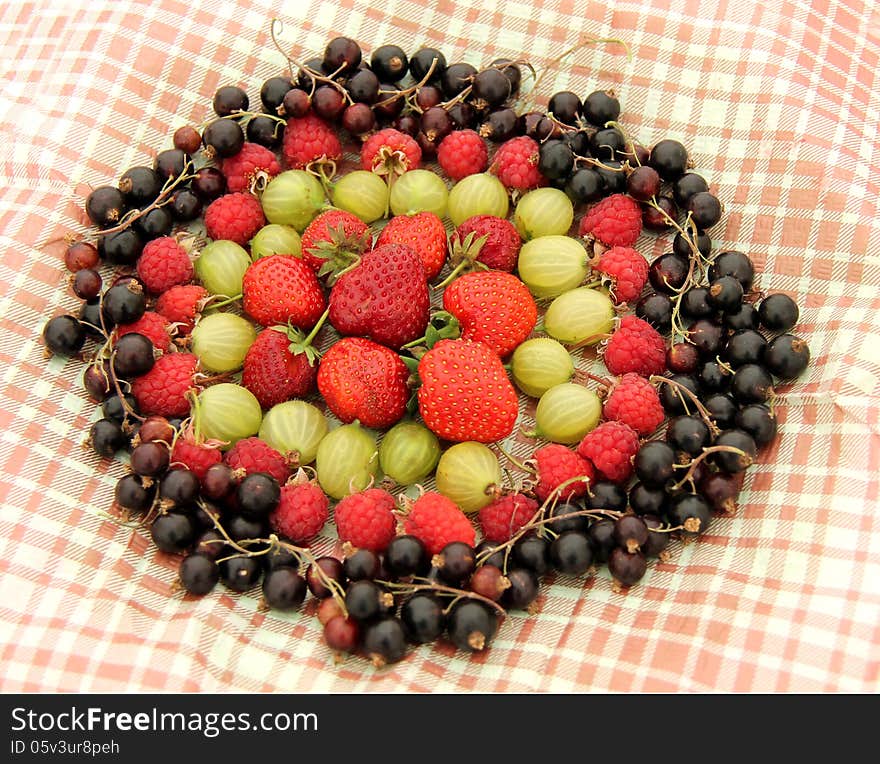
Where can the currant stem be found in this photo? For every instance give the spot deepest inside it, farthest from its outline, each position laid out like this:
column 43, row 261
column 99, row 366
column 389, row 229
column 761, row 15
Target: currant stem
column 707, row 452
column 442, row 589
column 680, row 388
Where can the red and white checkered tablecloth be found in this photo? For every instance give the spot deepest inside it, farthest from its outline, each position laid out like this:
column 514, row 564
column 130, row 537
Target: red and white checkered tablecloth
column 779, row 105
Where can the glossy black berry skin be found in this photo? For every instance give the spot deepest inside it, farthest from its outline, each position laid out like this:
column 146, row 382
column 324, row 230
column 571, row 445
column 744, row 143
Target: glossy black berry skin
column 585, row 185
column 688, row 434
column 681, row 246
column 170, row 163
column 223, row 137
column 390, row 63
column 732, row 462
column 500, row 125
column 124, row 304
column 179, row 487
column 472, row 625
column 198, row 574
column 669, row 158
column 523, row 589
column 656, row 309
column 599, row 107
column 674, row 401
column 603, row 494
column 284, row 588
column 612, row 177
column 736, row 264
column 362, row 565
column 695, row 303
column 331, row 568
column 105, row 206
column 668, row 273
column 495, row 559
column 363, row 86
column 421, row 61
column 106, row 437
column 455, row 562
column 132, row 356
column 385, row 641
column 580, row 523
column 705, row 209
column 240, row 527
column 725, row 293
column 113, row 408
column 565, row 106
column 173, row 532
column 365, row 600
column 555, row 159
column 407, row 556
column 240, row 573
column 272, row 93
column 707, row 335
column 185, row 205
column 654, row 463
column 341, row 53
column 758, row 421
column 691, row 511
column 686, row 187
column 279, row 557
column 744, row 317
column 787, row 356
column 722, row 408
column 230, row 99
column 265, row 132
column 601, row 535
column 209, row 184
column 608, row 143
column 778, row 312
column 645, row 500
column 571, row 553
column 627, row 568
column 132, row 494
column 64, row 335
column 140, row 185
column 422, row 618
column 511, row 71
column 751, row 384
column 532, row 552
column 713, row 377
column 657, row 542
column 745, row 346
column 258, row 494
column 154, row 223
column 121, row 247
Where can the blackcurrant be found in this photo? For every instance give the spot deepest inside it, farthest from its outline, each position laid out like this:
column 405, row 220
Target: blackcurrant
column 455, row 562
column 132, row 355
column 341, row 53
column 173, row 532
column 283, row 588
column 272, row 93
column 647, row 500
column 365, row 600
column 565, row 107
column 725, row 293
column 385, row 641
column 422, row 617
column 389, row 62
column 713, row 376
column 705, row 209
column 170, row 163
column 688, row 434
column 422, row 60
column 752, row 383
column 124, row 304
column 601, row 106
column 105, row 206
column 745, row 346
column 198, row 573
column 743, row 317
column 240, row 573
column 607, row 143
column 64, row 335
column 117, row 408
column 681, row 245
column 230, row 99
column 758, row 421
column 601, row 535
column 121, row 247
column 472, row 625
column 490, row 88
column 149, row 459
column 363, row 86
column 627, row 568
column 691, row 511
column 362, row 565
column 223, row 138
column 656, row 309
column 154, row 223
column 140, row 185
column 722, row 408
column 654, row 463
column 584, row 186
column 571, row 553
column 657, row 541
column 734, row 264
column 668, row 273
column 706, row 335
column 787, row 356
column 407, row 556
column 133, row 493
column 523, row 589
column 331, row 568
column 179, row 487
column 729, row 461
column 185, row 205
column 532, row 552
column 258, row 495
column 209, row 184
column 580, row 523
column 106, row 437
column 670, row 159
column 778, row 312
column 687, row 186
column 555, row 160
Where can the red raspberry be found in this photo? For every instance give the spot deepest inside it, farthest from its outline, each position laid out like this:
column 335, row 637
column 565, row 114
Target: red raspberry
column 616, row 221
column 390, row 152
column 501, row 248
column 634, row 401
column 556, row 464
column 255, row 455
column 198, row 457
column 437, row 521
column 164, row 264
column 234, row 217
column 462, row 153
column 309, row 139
column 162, row 390
column 635, row 346
column 366, row 519
column 329, row 231
column 153, row 326
column 626, row 269
column 301, row 512
column 273, row 373
column 516, row 164
column 611, row 447
column 182, row 305
column 249, row 164
column 505, row 516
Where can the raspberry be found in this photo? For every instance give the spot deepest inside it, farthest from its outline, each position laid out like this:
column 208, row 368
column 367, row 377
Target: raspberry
column 499, row 251
column 181, row 305
column 635, row 401
column 462, row 153
column 611, row 447
column 615, row 221
column 198, row 457
column 390, row 152
column 505, row 516
column 302, row 511
column 273, row 373
column 162, row 390
column 309, row 139
column 366, row 519
column 234, row 217
column 627, row 270
column 437, row 521
column 251, row 163
column 164, row 264
column 153, row 326
column 516, row 164
column 322, row 236
column 254, row 455
column 635, row 346
column 556, row 464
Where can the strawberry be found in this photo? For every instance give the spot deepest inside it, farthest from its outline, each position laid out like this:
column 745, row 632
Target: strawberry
column 280, row 289
column 329, row 231
column 493, row 307
column 279, row 365
column 384, row 297
column 493, row 242
column 465, row 392
column 360, row 379
column 425, row 233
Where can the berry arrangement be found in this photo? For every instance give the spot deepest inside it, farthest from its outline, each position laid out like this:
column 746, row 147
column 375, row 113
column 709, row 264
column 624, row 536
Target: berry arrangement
column 254, row 284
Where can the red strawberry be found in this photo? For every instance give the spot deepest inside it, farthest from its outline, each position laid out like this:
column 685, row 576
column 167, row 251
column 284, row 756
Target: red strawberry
column 302, row 510
column 162, row 390
column 254, row 455
column 465, row 392
column 462, row 153
column 492, row 307
column 616, row 221
column 516, row 164
column 384, row 297
column 557, row 464
column 282, row 290
column 153, row 326
column 390, row 152
column 611, row 448
column 626, row 269
column 493, row 242
column 164, row 264
column 635, row 346
column 234, row 217
column 425, row 233
column 634, row 401
column 254, row 162
column 360, row 379
column 366, row 519
column 310, row 139
column 506, row 515
column 279, row 366
column 437, row 521
column 181, row 305
column 329, row 231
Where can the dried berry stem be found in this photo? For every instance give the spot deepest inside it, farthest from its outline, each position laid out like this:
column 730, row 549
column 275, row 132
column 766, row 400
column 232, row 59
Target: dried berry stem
column 692, row 467
column 680, row 388
column 442, row 590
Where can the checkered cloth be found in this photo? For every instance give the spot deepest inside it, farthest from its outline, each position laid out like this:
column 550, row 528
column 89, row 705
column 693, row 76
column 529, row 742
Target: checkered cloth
column 778, row 103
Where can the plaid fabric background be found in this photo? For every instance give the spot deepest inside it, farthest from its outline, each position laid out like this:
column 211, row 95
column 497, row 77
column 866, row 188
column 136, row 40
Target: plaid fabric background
column 779, row 105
